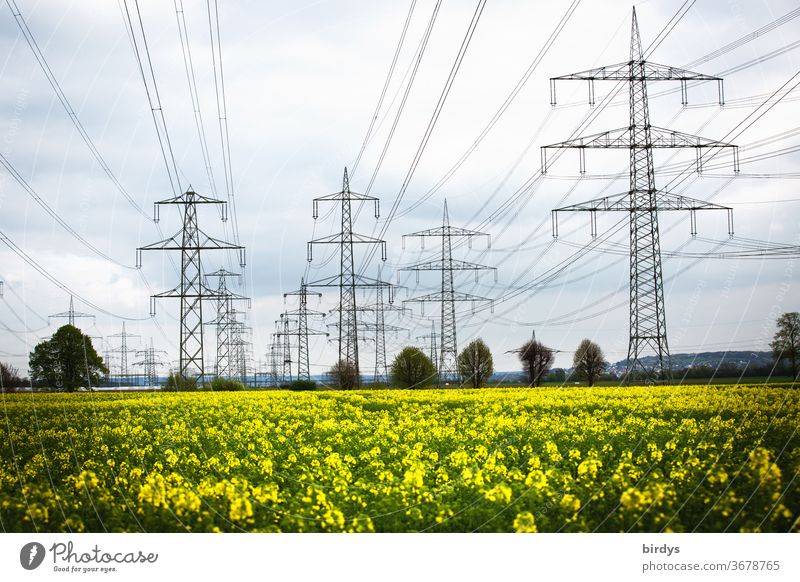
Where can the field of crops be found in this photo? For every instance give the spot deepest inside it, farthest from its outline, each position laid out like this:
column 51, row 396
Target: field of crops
column 692, row 458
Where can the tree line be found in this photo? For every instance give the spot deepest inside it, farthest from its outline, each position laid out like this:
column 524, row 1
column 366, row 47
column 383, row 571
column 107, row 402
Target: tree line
column 68, row 361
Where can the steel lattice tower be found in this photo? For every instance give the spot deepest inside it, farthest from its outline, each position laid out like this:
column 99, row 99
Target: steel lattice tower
column 431, row 337
column 447, row 296
column 302, row 331
column 123, row 352
column 648, row 325
column 191, row 291
column 71, row 315
column 149, row 361
column 225, row 319
column 347, row 280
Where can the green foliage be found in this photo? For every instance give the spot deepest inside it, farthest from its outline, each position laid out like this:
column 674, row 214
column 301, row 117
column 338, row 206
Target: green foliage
column 475, row 364
column 301, row 385
column 344, row 375
column 786, row 343
column 179, row 383
column 67, row 361
column 411, row 368
column 589, row 361
column 226, row 385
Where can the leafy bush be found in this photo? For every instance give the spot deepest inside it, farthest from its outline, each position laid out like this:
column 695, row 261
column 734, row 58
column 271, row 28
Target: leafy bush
column 226, row 385
column 302, row 385
column 180, row 383
column 411, row 368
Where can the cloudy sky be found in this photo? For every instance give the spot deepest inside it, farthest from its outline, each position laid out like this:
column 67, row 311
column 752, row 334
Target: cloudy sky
column 302, row 83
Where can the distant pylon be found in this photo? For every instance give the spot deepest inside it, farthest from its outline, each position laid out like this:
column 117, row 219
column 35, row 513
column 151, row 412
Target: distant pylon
column 123, row 352
column 648, row 322
column 431, row 337
column 347, row 280
column 150, row 362
column 71, row 315
column 223, row 322
column 302, row 313
column 191, row 290
column 447, row 296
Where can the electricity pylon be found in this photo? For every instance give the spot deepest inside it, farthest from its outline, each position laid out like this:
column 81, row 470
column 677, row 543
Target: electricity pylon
column 432, row 348
column 191, row 290
column 71, row 315
column 224, row 320
column 123, row 350
column 347, row 280
column 240, row 346
column 274, row 356
column 302, row 313
column 642, row 201
column 150, row 362
column 447, row 296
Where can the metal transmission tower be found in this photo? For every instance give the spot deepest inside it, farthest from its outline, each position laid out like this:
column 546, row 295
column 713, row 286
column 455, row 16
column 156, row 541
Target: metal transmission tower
column 284, row 334
column 239, row 347
column 447, row 296
column 432, row 349
column 347, row 280
column 224, row 321
column 150, row 362
column 274, row 357
column 71, row 315
column 302, row 331
column 123, row 350
column 191, row 290
column 648, row 326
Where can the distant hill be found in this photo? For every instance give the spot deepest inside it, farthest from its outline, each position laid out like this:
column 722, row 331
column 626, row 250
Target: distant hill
column 749, row 358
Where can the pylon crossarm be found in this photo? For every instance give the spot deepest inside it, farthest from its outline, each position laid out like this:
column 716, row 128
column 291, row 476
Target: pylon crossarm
column 339, row 239
column 455, row 264
column 438, row 296
column 620, row 138
column 622, row 72
column 640, row 71
column 622, row 202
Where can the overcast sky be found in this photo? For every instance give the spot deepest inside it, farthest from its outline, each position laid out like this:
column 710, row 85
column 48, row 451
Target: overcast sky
column 302, row 82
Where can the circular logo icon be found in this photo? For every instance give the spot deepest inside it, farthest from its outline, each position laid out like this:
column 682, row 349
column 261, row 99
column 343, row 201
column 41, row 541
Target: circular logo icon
column 31, row 555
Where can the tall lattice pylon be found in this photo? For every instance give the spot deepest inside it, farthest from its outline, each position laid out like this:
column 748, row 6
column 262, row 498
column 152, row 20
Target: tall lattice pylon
column 447, row 296
column 224, row 363
column 643, row 201
column 150, row 361
column 274, row 358
column 123, row 350
column 348, row 280
column 302, row 313
column 431, row 338
column 71, row 315
column 191, row 290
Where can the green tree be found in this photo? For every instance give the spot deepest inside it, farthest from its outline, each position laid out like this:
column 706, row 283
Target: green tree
column 589, row 361
column 411, row 368
column 786, row 343
column 475, row 363
column 536, row 360
column 67, row 361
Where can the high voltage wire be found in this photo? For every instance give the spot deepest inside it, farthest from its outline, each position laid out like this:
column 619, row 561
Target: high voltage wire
column 62, row 98
column 389, row 75
column 153, row 98
column 455, row 67
column 42, row 271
